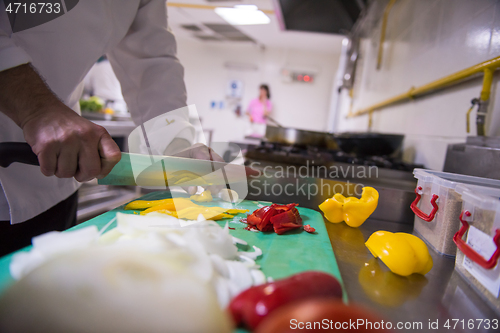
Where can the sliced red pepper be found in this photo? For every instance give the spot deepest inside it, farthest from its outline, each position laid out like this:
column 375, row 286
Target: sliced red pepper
column 309, row 229
column 280, row 218
column 286, row 221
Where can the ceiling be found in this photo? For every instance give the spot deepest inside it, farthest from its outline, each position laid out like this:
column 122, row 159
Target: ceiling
column 268, row 35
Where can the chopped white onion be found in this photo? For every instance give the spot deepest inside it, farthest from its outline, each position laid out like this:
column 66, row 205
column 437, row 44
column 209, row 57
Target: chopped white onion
column 143, row 253
column 252, row 255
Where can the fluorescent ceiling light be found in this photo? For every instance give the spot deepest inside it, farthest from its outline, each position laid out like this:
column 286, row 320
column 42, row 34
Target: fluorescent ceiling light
column 243, row 15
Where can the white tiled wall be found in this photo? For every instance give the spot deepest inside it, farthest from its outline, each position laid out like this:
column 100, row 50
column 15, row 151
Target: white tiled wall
column 426, row 40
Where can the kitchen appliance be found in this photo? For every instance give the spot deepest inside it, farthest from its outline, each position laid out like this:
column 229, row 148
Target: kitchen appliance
column 478, row 156
column 325, row 16
column 361, row 144
column 298, row 137
column 370, row 144
column 304, row 154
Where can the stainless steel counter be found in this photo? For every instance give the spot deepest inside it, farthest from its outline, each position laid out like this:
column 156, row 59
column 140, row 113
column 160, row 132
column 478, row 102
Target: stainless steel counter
column 439, row 295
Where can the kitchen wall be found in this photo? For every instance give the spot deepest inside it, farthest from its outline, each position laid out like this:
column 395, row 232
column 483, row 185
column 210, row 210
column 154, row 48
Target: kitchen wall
column 425, row 40
column 297, row 105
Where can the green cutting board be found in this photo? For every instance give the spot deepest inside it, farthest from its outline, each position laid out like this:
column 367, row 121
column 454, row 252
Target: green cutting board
column 283, row 255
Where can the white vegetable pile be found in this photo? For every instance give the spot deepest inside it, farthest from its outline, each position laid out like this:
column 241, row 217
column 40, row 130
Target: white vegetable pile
column 148, row 274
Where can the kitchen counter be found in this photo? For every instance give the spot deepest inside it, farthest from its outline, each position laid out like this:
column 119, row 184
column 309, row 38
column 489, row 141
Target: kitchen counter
column 439, row 295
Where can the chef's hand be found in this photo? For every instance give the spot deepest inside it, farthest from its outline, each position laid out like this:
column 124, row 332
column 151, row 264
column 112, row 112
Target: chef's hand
column 201, row 152
column 68, row 145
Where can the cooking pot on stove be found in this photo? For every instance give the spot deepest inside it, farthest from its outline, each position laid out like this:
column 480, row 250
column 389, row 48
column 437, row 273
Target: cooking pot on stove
column 300, row 138
column 370, row 144
column 360, row 144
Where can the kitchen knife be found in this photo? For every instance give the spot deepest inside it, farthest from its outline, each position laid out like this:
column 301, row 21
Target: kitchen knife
column 21, row 152
column 146, row 170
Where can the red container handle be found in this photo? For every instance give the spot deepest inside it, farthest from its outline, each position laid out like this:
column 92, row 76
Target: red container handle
column 469, row 252
column 420, row 213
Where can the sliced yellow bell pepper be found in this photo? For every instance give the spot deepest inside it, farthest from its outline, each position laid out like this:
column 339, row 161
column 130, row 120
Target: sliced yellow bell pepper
column 163, row 211
column 205, row 196
column 192, row 213
column 352, row 210
column 172, row 205
column 142, row 204
column 221, row 216
column 235, row 211
column 184, row 208
column 404, row 254
column 332, row 208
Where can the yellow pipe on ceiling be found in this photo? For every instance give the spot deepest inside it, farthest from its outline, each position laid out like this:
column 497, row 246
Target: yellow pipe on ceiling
column 454, row 78
column 382, row 32
column 210, row 7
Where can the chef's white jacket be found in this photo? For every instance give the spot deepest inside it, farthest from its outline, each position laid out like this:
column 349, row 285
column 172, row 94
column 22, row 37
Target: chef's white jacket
column 142, row 50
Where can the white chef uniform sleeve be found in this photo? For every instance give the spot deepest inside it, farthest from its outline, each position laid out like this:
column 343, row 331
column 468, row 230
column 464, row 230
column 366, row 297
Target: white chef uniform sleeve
column 151, row 76
column 10, row 54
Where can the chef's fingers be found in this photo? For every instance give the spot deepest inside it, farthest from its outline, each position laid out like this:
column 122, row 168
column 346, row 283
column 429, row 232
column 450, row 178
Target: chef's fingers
column 110, row 154
column 214, row 189
column 200, row 152
column 67, row 162
column 207, row 153
column 47, row 159
column 191, row 190
column 89, row 163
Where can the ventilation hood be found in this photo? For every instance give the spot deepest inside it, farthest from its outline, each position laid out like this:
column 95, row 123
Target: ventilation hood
column 326, row 16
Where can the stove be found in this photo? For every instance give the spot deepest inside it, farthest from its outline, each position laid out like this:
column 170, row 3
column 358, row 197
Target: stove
column 298, row 155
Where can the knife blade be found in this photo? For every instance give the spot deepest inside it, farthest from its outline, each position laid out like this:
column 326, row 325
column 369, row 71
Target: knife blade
column 137, row 169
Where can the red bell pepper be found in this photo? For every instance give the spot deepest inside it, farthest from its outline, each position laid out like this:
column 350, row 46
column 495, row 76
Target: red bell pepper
column 279, row 218
column 251, row 306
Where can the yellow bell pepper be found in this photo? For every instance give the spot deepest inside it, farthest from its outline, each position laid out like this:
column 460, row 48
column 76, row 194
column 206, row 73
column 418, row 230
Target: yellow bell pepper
column 172, row 205
column 209, row 213
column 235, row 211
column 142, row 204
column 205, row 196
column 352, row 210
column 404, row 254
column 184, row 208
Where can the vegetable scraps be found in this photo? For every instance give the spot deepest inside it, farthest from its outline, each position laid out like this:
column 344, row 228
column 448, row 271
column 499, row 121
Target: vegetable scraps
column 352, row 210
column 277, row 218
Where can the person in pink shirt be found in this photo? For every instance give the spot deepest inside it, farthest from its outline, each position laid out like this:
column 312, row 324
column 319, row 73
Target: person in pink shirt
column 258, row 110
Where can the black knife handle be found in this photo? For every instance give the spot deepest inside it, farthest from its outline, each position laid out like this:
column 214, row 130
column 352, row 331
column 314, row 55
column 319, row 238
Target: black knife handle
column 21, row 152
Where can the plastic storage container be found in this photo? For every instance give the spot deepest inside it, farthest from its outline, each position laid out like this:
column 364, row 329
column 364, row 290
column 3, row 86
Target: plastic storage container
column 478, row 253
column 437, row 206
